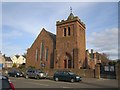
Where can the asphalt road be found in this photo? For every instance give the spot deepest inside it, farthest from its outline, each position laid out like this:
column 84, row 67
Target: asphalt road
column 45, row 83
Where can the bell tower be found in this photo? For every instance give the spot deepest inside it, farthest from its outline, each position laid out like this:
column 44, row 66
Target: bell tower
column 70, row 43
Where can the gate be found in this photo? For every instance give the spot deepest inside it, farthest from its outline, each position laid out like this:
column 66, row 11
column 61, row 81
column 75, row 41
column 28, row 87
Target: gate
column 108, row 71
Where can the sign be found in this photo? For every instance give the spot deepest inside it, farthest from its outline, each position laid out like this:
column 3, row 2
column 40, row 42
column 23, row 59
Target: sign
column 42, row 65
column 112, row 68
column 106, row 68
column 1, row 65
column 109, row 68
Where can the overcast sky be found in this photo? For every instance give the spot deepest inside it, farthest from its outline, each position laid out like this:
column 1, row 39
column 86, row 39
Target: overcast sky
column 23, row 21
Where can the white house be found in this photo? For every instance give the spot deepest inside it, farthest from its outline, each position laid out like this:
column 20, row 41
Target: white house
column 1, row 62
column 6, row 62
column 19, row 59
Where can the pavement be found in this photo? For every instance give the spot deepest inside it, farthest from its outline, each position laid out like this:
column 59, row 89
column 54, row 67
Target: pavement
column 50, row 83
column 97, row 82
column 102, row 82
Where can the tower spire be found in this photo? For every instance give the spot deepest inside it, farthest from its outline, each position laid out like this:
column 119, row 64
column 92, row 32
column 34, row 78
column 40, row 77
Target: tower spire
column 71, row 16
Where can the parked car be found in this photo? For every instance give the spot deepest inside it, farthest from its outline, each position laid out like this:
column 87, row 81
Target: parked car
column 34, row 73
column 66, row 76
column 5, row 83
column 15, row 73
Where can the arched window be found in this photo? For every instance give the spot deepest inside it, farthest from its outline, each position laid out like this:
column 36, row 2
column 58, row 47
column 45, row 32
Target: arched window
column 41, row 50
column 46, row 54
column 36, row 57
column 64, row 31
column 68, row 31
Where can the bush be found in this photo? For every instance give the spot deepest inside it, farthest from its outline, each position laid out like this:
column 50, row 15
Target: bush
column 22, row 66
column 31, row 67
column 14, row 65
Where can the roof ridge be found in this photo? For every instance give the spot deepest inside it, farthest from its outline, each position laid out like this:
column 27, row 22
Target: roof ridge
column 52, row 35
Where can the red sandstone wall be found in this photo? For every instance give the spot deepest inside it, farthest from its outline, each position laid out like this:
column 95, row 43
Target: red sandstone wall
column 31, row 53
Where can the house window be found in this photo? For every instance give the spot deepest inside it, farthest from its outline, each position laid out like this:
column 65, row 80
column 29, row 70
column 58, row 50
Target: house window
column 36, row 57
column 64, row 31
column 46, row 54
column 41, row 50
column 68, row 31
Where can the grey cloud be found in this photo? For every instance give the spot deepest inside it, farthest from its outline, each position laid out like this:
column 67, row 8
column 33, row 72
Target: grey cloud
column 105, row 41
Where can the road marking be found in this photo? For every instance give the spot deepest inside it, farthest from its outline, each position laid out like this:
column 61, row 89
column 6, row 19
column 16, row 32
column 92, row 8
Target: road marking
column 69, row 83
column 37, row 83
column 44, row 84
column 29, row 79
column 65, row 87
column 12, row 80
column 15, row 78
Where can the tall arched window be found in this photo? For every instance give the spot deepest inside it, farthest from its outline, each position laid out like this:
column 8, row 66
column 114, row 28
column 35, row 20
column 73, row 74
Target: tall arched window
column 46, row 54
column 64, row 31
column 36, row 57
column 68, row 31
column 41, row 50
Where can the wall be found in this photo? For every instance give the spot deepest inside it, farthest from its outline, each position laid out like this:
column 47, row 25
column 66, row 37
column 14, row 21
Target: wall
column 88, row 73
column 76, row 41
column 31, row 52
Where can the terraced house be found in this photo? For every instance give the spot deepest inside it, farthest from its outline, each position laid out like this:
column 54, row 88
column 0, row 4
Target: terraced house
column 66, row 49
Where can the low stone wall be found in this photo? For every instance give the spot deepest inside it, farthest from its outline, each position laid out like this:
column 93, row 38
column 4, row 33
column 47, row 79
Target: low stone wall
column 89, row 73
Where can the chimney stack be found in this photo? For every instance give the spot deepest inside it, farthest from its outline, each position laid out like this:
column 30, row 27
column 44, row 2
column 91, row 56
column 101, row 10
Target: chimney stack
column 92, row 56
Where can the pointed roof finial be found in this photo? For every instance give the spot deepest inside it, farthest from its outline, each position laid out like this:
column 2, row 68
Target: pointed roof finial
column 71, row 16
column 70, row 9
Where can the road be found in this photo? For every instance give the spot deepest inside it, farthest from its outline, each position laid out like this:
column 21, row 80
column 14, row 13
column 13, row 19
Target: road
column 45, row 83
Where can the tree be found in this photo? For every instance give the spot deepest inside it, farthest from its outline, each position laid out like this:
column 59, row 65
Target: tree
column 105, row 55
column 118, row 61
column 31, row 67
column 14, row 65
column 112, row 63
column 22, row 66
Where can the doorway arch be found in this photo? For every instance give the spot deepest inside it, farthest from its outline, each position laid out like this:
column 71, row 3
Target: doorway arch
column 68, row 62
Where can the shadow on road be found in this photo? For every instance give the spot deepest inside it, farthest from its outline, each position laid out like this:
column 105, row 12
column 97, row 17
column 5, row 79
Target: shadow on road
column 98, row 85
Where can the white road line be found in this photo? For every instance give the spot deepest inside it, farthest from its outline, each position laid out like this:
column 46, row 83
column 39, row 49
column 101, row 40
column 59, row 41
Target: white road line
column 37, row 83
column 29, row 79
column 19, row 78
column 12, row 80
column 65, row 87
column 44, row 84
column 16, row 78
column 69, row 83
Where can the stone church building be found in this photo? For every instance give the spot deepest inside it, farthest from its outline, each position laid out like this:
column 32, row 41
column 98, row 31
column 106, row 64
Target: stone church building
column 66, row 49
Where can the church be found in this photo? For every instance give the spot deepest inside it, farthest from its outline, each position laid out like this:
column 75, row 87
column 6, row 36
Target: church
column 65, row 50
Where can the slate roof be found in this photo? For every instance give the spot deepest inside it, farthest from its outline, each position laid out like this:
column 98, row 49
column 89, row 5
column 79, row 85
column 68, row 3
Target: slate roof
column 7, row 58
column 17, row 56
column 101, row 57
column 24, row 56
column 53, row 36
